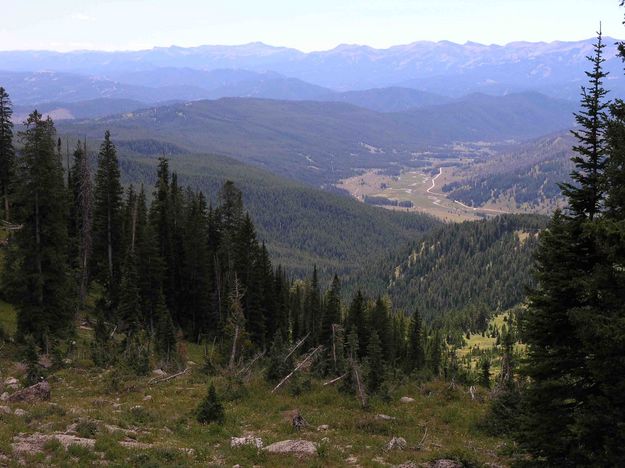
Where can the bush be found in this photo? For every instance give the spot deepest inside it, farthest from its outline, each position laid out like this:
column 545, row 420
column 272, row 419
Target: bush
column 211, row 410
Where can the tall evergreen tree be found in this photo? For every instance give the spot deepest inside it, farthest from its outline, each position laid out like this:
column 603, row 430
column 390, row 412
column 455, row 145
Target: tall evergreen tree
column 416, row 354
column 375, row 360
column 358, row 322
column 37, row 272
column 7, row 153
column 585, row 197
column 81, row 217
column 332, row 313
column 107, row 222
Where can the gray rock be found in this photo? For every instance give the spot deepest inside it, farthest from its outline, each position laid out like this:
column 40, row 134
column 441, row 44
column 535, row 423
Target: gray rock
column 37, row 392
column 396, row 443
column 323, row 428
column 5, row 410
column 295, row 447
column 406, row 399
column 384, row 417
column 4, row 396
column 247, row 440
column 20, row 412
column 159, row 373
column 444, row 463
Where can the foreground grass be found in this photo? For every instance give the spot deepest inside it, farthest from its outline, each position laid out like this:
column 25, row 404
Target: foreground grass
column 158, row 420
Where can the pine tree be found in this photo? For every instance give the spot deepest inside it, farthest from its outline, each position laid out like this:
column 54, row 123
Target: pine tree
column 332, row 313
column 129, row 309
column 81, row 217
column 312, row 307
column 7, row 153
column 165, row 336
column 107, row 223
column 375, row 360
column 416, row 355
column 381, row 322
column 586, row 196
column 210, row 409
column 485, row 372
column 357, row 321
column 37, row 276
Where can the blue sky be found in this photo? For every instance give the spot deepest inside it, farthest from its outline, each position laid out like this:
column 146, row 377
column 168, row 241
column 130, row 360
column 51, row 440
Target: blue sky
column 302, row 24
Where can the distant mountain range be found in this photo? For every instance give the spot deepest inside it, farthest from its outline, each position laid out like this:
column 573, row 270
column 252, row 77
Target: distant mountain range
column 322, row 142
column 446, row 68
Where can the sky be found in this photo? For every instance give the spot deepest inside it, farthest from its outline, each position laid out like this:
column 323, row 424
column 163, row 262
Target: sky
column 302, row 24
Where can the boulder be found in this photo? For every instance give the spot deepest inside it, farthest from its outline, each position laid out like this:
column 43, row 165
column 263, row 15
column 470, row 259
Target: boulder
column 247, row 440
column 444, row 463
column 12, row 383
column 396, row 443
column 20, row 412
column 294, row 447
column 37, row 392
column 5, row 410
column 4, row 396
column 406, row 399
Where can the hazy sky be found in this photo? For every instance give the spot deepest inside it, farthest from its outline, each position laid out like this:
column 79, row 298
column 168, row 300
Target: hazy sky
column 303, row 24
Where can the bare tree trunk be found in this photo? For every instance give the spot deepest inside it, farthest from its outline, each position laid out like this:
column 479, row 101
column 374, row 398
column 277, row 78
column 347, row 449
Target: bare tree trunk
column 234, row 347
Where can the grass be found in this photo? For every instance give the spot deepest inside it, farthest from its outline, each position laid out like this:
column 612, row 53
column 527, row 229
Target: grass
column 441, row 423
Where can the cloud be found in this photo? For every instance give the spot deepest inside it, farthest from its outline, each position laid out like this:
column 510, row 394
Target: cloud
column 81, row 17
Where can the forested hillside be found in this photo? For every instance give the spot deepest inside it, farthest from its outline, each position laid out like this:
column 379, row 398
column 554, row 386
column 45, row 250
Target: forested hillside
column 323, row 142
column 301, row 225
column 526, row 178
column 459, row 274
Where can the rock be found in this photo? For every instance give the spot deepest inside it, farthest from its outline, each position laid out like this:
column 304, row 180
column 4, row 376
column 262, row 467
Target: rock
column 323, row 428
column 408, row 464
column 34, row 443
column 5, row 410
column 4, row 396
column 37, row 392
column 12, row 383
column 247, row 440
column 147, row 398
column 351, row 460
column 159, row 373
column 406, row 399
column 295, row 447
column 384, row 417
column 20, row 412
column 443, row 463
column 396, row 443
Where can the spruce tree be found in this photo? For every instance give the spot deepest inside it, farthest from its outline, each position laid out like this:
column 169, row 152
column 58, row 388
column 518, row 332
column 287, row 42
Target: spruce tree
column 7, row 153
column 416, row 355
column 585, row 197
column 358, row 322
column 37, row 276
column 332, row 313
column 165, row 335
column 107, row 223
column 210, row 409
column 375, row 361
column 81, row 217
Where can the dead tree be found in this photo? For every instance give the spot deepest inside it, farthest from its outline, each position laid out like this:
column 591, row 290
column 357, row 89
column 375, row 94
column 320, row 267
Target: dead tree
column 360, row 388
column 308, row 357
column 236, row 319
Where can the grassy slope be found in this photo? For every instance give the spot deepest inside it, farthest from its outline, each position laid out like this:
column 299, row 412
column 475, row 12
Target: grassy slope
column 166, row 421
